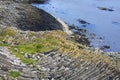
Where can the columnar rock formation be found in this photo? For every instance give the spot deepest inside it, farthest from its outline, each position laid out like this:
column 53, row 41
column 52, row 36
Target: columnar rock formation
column 54, row 65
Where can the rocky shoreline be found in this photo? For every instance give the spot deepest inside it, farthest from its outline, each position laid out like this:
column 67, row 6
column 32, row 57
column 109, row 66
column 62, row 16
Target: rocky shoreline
column 47, row 61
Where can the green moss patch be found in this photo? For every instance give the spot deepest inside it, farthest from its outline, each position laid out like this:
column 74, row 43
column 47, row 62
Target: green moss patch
column 14, row 74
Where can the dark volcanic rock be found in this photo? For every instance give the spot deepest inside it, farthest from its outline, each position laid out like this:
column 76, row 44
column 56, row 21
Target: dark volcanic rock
column 26, row 17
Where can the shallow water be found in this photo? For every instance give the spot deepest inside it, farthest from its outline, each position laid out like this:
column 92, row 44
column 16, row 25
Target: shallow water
column 104, row 23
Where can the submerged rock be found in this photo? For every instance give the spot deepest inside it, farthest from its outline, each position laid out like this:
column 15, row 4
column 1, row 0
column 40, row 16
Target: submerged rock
column 105, row 9
column 82, row 21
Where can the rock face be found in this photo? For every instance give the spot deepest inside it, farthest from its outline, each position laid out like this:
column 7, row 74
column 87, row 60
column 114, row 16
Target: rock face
column 26, row 17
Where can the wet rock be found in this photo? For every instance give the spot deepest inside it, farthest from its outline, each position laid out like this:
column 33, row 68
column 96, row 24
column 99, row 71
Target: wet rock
column 73, row 27
column 105, row 47
column 76, row 32
column 82, row 21
column 102, row 8
column 105, row 9
column 101, row 38
column 110, row 10
column 84, row 41
column 83, row 25
column 82, row 30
